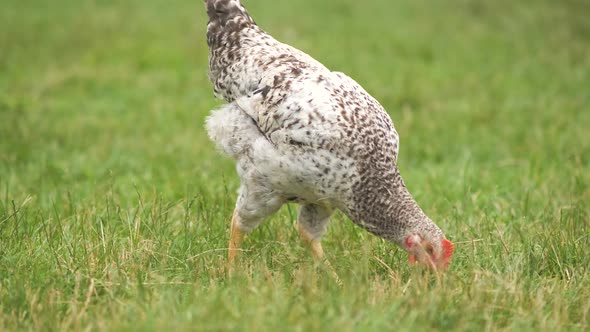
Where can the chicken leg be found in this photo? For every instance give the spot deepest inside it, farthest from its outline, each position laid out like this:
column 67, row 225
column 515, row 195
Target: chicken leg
column 312, row 224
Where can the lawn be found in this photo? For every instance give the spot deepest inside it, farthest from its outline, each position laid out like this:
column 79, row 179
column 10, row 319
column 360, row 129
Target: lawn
column 115, row 206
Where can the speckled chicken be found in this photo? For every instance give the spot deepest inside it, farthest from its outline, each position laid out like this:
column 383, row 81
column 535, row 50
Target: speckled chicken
column 302, row 133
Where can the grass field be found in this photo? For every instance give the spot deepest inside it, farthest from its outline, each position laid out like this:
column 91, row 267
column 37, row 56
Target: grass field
column 114, row 205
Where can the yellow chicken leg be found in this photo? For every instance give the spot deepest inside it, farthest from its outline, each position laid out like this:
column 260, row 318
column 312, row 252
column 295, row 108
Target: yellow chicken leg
column 235, row 238
column 318, row 252
column 315, row 245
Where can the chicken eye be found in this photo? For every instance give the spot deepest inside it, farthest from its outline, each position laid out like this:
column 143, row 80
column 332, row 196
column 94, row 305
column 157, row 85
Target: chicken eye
column 429, row 249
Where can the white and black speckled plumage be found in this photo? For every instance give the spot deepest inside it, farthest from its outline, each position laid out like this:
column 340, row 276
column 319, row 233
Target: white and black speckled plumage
column 303, row 133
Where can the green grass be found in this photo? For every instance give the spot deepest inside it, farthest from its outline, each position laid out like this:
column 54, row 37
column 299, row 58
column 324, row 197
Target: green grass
column 114, row 205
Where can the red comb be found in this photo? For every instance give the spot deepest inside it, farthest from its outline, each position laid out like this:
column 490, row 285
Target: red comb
column 447, row 249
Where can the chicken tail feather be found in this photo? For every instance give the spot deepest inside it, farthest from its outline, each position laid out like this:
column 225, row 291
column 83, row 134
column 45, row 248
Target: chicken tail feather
column 223, row 11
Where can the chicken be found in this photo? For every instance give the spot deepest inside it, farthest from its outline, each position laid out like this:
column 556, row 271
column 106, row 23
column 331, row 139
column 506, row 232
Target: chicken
column 302, row 133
